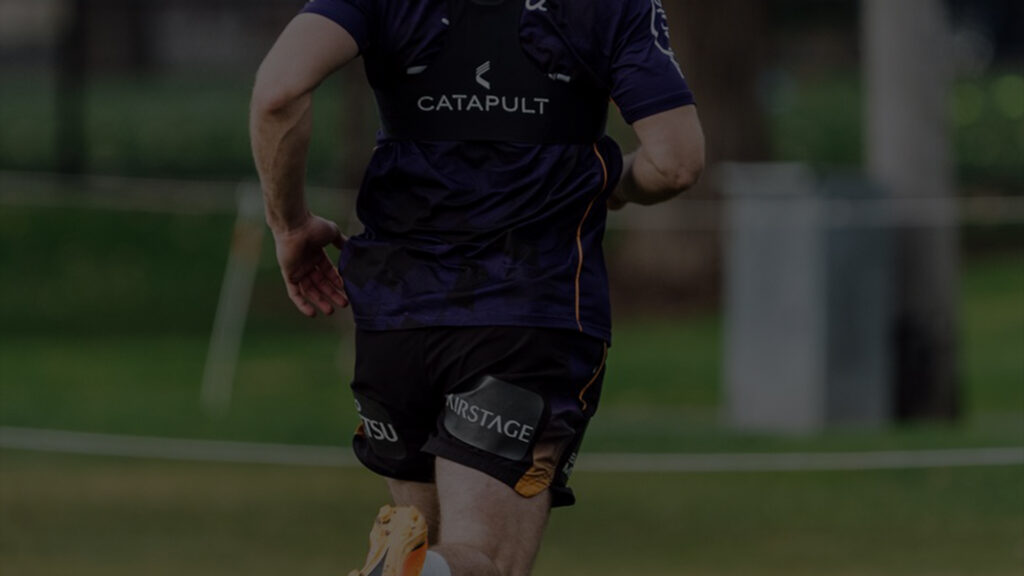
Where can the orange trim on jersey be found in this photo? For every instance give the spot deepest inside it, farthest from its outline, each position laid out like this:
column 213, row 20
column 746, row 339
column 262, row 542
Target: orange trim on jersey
column 600, row 368
column 579, row 232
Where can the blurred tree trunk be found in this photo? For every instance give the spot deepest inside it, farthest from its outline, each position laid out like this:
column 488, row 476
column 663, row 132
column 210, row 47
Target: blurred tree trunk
column 122, row 35
column 70, row 87
column 137, row 15
column 721, row 47
column 908, row 75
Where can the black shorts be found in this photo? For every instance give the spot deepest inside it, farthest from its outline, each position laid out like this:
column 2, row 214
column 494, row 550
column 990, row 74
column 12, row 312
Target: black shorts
column 512, row 402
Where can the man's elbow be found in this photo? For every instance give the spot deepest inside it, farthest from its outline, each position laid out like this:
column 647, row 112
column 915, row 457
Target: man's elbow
column 682, row 172
column 686, row 174
column 273, row 95
column 268, row 100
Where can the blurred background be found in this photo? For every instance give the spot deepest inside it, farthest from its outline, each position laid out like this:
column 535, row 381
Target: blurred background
column 818, row 364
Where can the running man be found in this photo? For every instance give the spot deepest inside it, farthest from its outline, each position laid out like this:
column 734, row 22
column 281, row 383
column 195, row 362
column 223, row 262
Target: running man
column 478, row 287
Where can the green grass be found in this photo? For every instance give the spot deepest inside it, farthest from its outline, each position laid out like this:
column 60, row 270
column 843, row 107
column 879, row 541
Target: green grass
column 83, row 272
column 289, row 388
column 992, row 333
column 104, row 321
column 118, row 517
column 665, row 362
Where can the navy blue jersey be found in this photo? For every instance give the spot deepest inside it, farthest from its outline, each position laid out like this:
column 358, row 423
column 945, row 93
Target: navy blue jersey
column 490, row 233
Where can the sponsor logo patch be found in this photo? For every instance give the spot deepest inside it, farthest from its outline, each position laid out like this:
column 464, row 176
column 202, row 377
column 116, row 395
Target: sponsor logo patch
column 570, row 464
column 495, row 416
column 486, row 103
column 379, row 429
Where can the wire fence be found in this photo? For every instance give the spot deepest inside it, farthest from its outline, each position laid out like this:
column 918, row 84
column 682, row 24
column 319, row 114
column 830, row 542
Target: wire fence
column 687, row 213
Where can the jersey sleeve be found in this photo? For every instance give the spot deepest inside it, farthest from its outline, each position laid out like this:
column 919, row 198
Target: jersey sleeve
column 352, row 15
column 646, row 78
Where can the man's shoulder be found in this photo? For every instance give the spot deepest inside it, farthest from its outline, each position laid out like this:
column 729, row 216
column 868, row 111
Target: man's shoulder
column 602, row 12
column 604, row 21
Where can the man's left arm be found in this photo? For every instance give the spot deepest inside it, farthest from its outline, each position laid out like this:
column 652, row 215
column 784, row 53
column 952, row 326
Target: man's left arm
column 655, row 99
column 280, row 123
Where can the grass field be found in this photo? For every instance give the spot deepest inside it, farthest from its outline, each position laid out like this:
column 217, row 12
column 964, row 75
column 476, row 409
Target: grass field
column 105, row 320
column 68, row 515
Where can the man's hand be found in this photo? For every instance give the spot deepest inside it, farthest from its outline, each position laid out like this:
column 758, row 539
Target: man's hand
column 311, row 279
column 615, row 200
column 615, row 203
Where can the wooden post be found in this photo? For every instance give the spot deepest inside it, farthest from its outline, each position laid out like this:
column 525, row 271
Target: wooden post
column 908, row 75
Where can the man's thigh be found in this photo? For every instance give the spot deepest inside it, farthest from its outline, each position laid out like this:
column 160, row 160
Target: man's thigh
column 483, row 513
column 517, row 403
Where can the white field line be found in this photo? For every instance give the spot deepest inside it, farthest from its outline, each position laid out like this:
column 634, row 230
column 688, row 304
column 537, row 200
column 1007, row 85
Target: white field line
column 804, row 461
column 85, row 443
column 323, row 456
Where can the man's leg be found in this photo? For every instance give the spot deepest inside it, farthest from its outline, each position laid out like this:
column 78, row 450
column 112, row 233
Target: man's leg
column 487, row 529
column 424, row 497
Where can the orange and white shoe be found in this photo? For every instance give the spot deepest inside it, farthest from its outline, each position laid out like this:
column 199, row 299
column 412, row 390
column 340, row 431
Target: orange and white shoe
column 398, row 543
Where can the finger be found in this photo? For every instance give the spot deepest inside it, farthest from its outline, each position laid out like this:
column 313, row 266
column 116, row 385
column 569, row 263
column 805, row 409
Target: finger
column 331, row 273
column 338, row 297
column 311, row 291
column 329, row 284
column 342, row 294
column 338, row 239
column 295, row 295
column 322, row 304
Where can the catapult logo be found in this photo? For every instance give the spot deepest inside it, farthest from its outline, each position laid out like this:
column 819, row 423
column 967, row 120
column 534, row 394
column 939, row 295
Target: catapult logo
column 537, row 5
column 480, row 71
column 486, row 103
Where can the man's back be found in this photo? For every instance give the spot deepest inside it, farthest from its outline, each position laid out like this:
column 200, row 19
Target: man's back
column 496, row 233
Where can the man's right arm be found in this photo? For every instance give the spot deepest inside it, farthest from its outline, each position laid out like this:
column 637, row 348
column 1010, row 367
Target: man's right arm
column 669, row 160
column 309, row 49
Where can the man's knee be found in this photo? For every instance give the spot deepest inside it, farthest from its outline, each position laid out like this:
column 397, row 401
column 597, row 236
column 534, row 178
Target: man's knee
column 482, row 514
